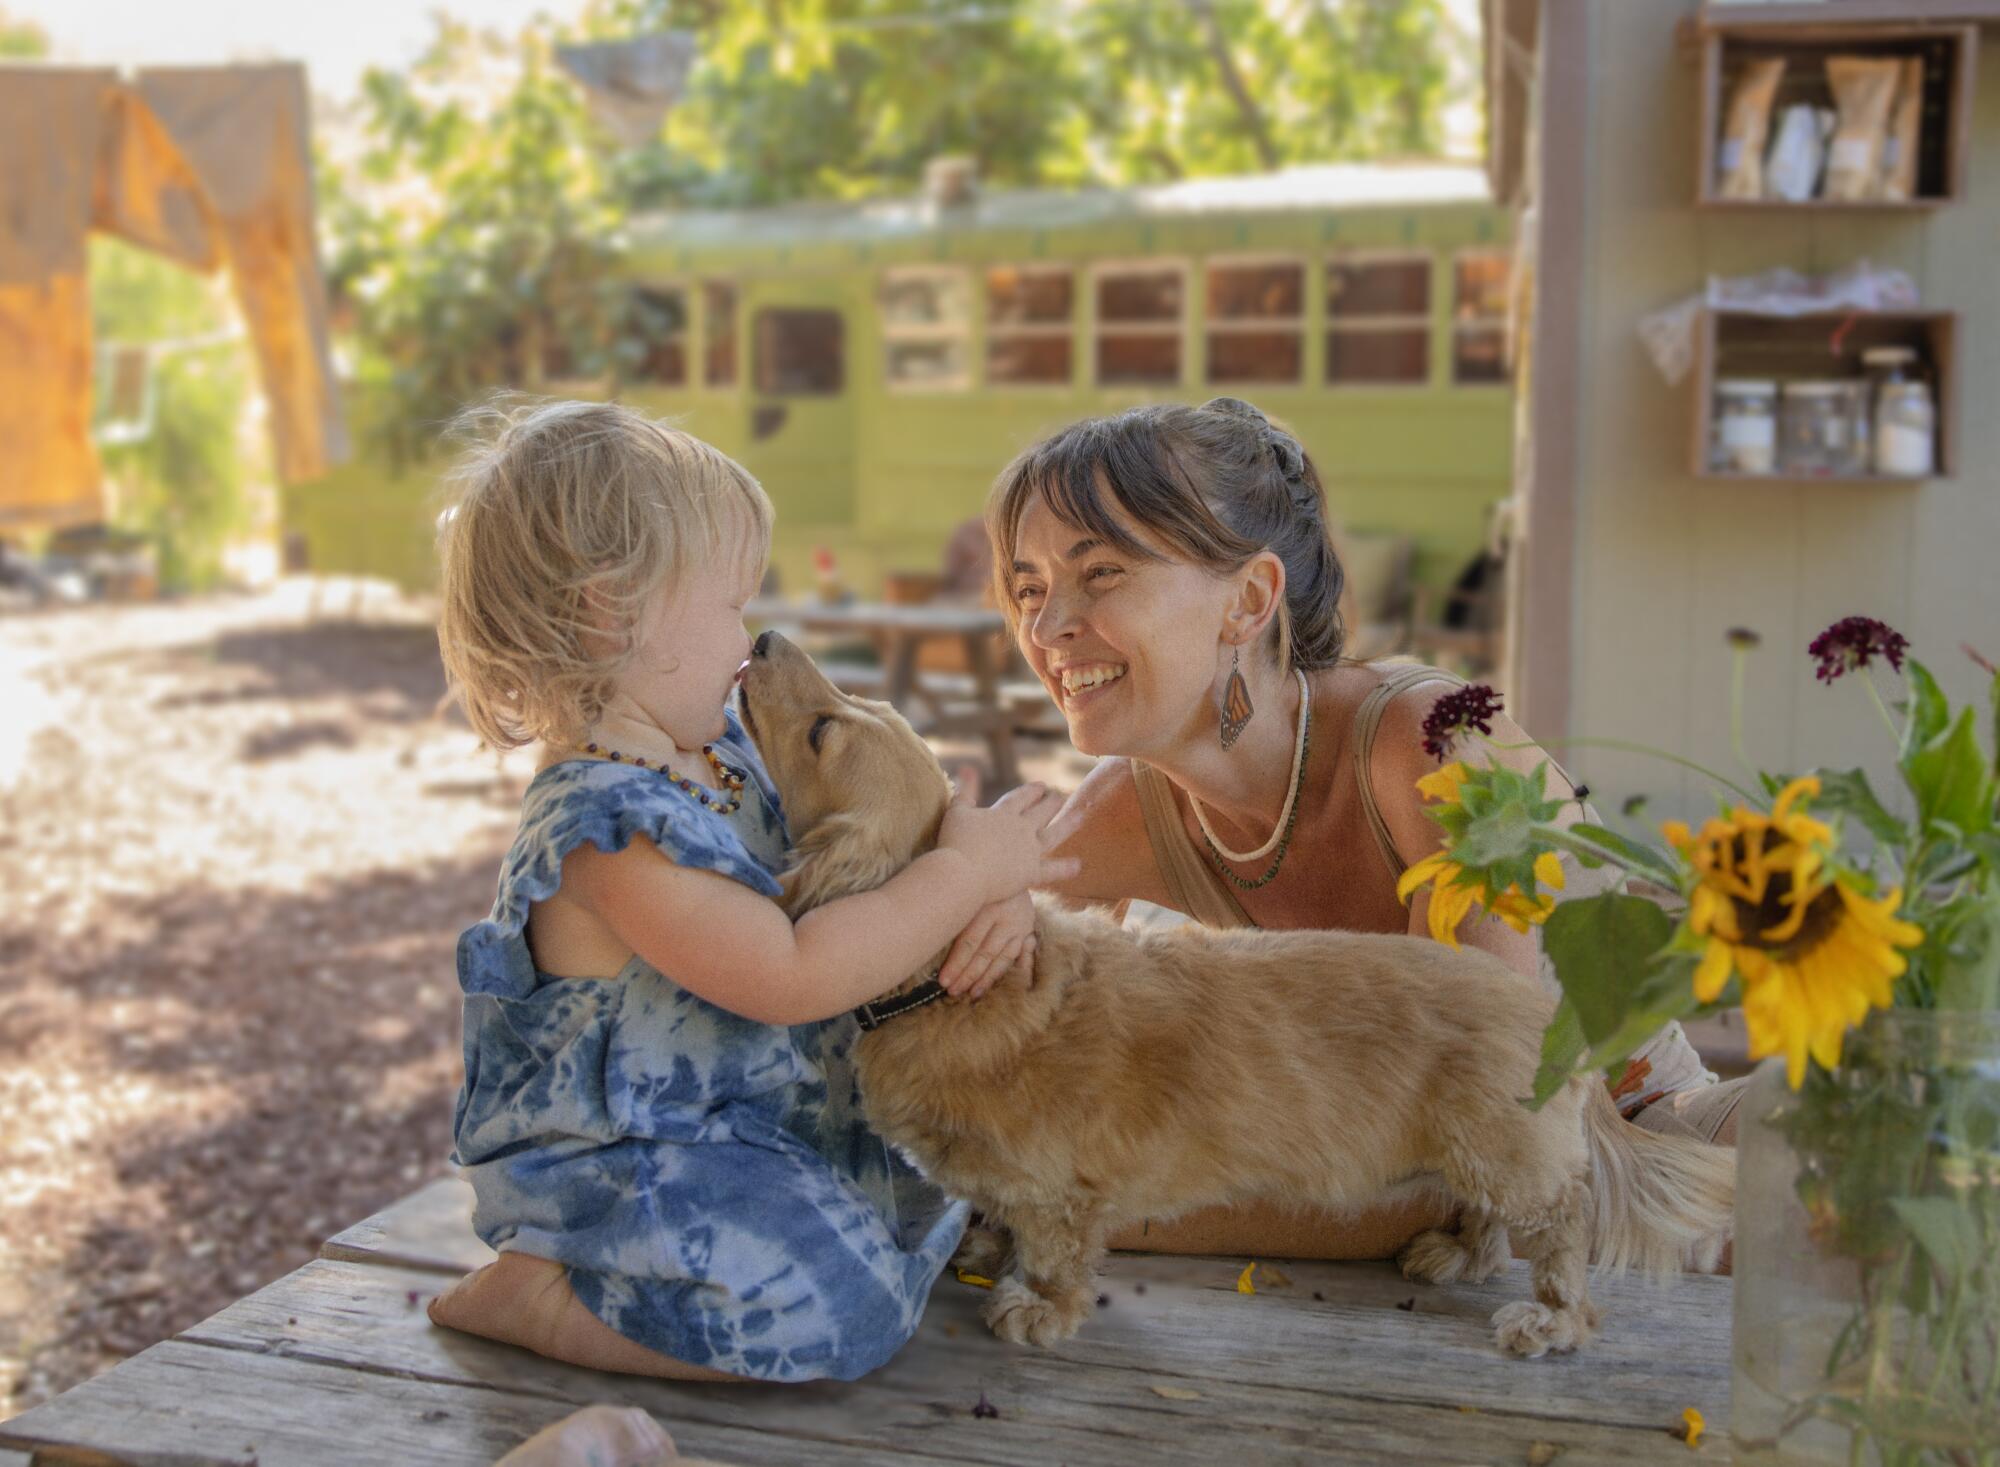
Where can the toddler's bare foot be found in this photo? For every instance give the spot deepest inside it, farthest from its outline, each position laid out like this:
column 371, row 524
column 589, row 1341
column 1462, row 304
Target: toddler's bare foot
column 527, row 1301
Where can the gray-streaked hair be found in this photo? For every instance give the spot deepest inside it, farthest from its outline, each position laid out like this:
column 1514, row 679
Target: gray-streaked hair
column 1217, row 483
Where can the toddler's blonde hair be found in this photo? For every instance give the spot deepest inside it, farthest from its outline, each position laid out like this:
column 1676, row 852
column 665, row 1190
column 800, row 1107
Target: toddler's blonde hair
column 562, row 518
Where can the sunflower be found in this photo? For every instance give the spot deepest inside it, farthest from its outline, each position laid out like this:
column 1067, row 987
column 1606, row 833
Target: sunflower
column 1815, row 954
column 1454, row 893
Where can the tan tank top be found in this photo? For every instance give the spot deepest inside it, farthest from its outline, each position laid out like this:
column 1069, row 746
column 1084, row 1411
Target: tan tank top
column 1199, row 890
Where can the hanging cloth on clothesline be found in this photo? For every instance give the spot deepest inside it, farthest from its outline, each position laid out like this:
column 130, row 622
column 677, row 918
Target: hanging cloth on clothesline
column 205, row 166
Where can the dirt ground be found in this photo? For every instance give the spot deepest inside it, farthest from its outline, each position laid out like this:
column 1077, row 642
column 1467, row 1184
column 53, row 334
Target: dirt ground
column 237, row 850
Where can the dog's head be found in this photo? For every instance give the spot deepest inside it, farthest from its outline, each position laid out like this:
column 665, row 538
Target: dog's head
column 863, row 795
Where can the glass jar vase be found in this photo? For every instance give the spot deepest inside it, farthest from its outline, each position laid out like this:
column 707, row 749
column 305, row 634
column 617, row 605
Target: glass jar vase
column 1867, row 1255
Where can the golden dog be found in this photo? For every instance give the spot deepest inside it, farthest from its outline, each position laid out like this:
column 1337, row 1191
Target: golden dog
column 1142, row 1075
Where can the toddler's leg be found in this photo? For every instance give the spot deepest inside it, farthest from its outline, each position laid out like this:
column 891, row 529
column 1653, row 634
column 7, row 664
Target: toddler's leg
column 526, row 1301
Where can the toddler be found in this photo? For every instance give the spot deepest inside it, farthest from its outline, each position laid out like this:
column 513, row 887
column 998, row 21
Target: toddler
column 660, row 1119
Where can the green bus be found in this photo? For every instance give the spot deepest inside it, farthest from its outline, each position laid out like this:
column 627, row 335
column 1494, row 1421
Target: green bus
column 876, row 363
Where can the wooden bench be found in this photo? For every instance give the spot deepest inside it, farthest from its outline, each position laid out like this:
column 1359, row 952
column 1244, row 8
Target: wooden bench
column 1325, row 1363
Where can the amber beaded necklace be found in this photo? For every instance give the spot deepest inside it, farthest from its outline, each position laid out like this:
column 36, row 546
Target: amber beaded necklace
column 731, row 777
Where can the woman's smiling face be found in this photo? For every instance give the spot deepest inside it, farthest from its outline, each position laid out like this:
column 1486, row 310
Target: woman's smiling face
column 1126, row 645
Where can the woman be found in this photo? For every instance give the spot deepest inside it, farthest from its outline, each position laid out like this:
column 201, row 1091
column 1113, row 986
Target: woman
column 1172, row 581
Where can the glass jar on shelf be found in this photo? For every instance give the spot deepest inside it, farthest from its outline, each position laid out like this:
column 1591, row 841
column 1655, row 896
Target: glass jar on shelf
column 1818, row 432
column 1905, row 414
column 1744, row 435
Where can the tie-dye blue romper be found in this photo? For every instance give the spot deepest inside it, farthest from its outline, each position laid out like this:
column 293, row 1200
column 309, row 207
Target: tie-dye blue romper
column 710, row 1181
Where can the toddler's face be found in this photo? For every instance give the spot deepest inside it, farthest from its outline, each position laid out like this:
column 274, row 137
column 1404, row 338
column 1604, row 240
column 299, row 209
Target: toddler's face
column 689, row 643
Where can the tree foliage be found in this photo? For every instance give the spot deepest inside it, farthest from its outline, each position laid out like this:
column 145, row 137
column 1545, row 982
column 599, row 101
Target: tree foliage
column 475, row 225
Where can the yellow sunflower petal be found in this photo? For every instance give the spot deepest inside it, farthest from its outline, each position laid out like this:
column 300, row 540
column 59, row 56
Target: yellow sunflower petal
column 1437, row 864
column 1549, row 869
column 1442, row 784
column 1713, row 974
column 1805, row 787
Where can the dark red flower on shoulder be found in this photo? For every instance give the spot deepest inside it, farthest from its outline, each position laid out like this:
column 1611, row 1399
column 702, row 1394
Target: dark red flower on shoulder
column 1469, row 707
column 1850, row 643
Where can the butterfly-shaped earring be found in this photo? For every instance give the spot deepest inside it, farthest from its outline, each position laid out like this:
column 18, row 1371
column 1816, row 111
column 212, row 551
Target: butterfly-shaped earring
column 1236, row 709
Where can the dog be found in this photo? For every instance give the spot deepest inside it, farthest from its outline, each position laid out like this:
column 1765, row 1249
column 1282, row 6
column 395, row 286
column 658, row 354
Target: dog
column 1142, row 1075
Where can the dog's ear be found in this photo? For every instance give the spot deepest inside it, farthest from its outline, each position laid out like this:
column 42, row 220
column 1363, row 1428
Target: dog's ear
column 841, row 855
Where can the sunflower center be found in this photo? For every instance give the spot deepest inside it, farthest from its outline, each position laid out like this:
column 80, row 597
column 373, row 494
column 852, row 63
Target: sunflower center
column 1754, row 919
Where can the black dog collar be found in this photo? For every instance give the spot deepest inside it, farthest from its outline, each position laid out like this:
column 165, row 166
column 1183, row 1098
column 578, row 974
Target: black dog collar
column 874, row 1015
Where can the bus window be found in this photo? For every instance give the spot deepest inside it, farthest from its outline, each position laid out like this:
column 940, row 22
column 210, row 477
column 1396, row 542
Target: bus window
column 1030, row 311
column 1256, row 321
column 1140, row 315
column 799, row 351
column 1479, row 316
column 655, row 345
column 1378, row 319
column 718, row 333
column 926, row 321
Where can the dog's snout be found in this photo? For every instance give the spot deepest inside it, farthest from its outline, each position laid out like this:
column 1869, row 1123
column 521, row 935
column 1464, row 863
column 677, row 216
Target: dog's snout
column 762, row 646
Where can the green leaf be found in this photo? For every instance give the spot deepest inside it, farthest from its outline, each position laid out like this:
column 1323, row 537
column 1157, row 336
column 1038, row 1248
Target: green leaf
column 1966, row 964
column 1929, row 712
column 1495, row 835
column 1562, row 1047
column 1944, row 1229
column 1651, row 859
column 1603, row 947
column 1848, row 791
column 1951, row 779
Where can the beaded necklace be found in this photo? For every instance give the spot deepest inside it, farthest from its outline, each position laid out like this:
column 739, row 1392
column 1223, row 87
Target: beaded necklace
column 1281, row 838
column 731, row 777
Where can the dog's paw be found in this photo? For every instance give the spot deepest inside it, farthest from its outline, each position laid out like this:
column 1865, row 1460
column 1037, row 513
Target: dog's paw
column 1435, row 1257
column 984, row 1250
column 1021, row 1316
column 1531, row 1330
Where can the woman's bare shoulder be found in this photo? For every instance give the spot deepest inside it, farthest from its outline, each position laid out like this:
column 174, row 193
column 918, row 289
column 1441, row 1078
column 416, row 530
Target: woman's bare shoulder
column 1104, row 824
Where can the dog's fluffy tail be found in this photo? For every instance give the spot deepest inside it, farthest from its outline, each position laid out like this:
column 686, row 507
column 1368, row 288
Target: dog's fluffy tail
column 1659, row 1203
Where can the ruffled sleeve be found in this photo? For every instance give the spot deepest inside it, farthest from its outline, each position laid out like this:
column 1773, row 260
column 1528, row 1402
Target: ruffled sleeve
column 589, row 800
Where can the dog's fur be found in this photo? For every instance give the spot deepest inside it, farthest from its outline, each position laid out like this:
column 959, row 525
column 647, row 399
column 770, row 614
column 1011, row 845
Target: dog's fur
column 1143, row 1075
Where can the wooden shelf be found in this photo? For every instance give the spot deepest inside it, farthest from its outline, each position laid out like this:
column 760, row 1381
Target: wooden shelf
column 1821, row 345
column 1851, row 12
column 1732, row 36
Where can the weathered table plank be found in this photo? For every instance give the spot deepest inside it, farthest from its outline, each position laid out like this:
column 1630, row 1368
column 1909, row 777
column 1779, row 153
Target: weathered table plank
column 339, row 1360
column 430, row 1228
column 1663, row 1347
column 361, row 1323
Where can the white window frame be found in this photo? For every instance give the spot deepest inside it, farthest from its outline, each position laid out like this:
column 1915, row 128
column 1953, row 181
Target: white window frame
column 1408, row 321
column 942, row 331
column 1038, row 331
column 691, row 367
column 1497, row 323
column 1254, row 325
column 1141, row 265
column 735, row 382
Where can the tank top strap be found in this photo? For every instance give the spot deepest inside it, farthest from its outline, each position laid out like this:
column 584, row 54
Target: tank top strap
column 1191, row 881
column 1366, row 722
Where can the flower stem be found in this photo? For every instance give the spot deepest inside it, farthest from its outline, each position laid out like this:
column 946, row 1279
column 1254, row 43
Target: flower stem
column 1875, row 697
column 1738, row 658
column 1626, row 746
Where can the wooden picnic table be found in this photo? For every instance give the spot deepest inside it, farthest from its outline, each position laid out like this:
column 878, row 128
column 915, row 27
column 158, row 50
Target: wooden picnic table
column 980, row 704
column 1325, row 1363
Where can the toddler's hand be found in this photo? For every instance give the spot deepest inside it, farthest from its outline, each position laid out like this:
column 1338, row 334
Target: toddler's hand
column 1000, row 940
column 1006, row 843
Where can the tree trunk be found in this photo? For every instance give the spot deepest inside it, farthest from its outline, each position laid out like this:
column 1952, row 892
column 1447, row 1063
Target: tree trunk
column 1232, row 79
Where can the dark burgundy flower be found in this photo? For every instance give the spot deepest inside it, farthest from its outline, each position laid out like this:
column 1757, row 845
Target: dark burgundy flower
column 985, row 1410
column 1850, row 643
column 1469, row 707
